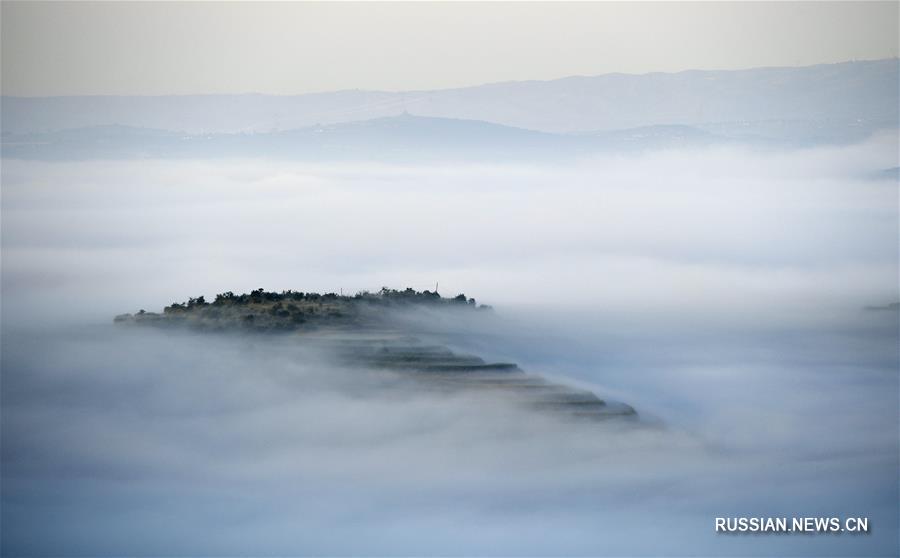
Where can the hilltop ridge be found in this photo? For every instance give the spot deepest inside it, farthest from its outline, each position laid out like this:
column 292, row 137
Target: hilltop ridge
column 290, row 310
column 358, row 332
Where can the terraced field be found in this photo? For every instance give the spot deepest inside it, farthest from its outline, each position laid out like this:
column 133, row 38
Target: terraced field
column 357, row 331
column 438, row 368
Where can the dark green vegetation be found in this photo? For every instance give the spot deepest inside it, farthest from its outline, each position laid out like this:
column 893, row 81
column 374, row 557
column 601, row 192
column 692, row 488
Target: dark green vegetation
column 362, row 331
column 294, row 310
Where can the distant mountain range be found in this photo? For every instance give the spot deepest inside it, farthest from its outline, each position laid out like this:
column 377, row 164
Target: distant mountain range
column 835, row 103
column 845, row 92
column 399, row 138
column 408, row 138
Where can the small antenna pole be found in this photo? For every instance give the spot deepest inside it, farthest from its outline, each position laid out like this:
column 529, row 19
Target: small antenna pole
column 435, row 286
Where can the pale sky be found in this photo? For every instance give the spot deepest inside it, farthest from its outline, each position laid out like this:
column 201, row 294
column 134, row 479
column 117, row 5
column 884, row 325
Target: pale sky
column 79, row 48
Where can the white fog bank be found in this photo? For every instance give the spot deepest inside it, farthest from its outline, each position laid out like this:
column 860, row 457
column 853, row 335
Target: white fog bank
column 720, row 234
column 739, row 299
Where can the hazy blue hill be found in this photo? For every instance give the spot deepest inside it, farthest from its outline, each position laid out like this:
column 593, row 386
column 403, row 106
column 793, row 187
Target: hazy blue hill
column 408, row 139
column 107, row 141
column 847, row 91
column 844, row 93
column 404, row 138
column 649, row 137
column 415, row 137
column 800, row 133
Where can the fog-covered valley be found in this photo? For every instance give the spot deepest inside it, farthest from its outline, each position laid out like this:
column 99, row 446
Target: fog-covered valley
column 738, row 298
column 428, row 278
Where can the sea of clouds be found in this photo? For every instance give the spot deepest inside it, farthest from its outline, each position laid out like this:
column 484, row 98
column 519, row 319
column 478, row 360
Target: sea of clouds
column 737, row 298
